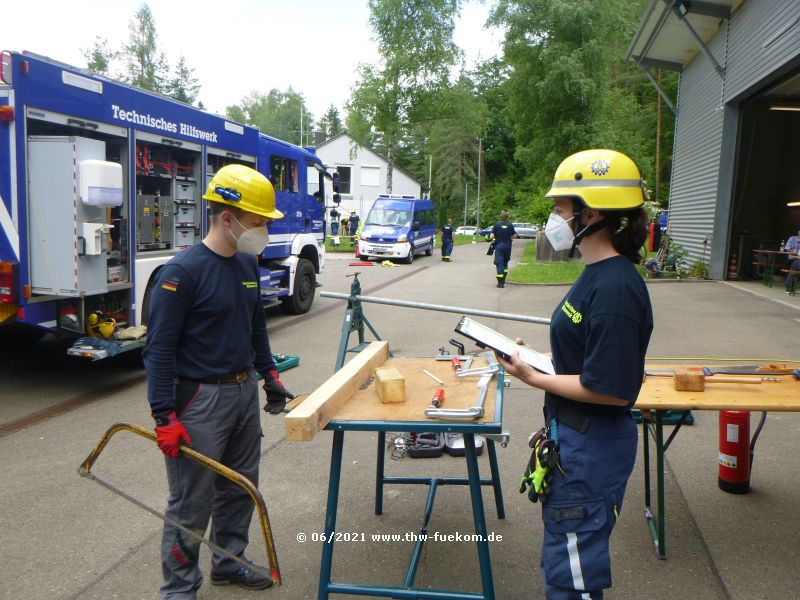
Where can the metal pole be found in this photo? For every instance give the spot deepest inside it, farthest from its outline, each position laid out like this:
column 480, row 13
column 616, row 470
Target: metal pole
column 466, row 187
column 439, row 307
column 430, row 175
column 478, row 220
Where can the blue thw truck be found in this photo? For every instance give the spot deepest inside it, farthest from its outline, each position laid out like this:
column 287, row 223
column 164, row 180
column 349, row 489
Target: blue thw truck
column 101, row 183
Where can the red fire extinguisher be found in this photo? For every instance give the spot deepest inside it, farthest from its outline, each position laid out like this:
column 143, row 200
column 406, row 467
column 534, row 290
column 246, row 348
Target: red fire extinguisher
column 734, row 451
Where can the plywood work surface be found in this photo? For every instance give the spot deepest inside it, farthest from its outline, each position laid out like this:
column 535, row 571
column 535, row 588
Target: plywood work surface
column 659, row 393
column 460, row 392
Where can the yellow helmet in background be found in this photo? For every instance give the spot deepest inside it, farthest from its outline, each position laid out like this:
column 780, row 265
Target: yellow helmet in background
column 603, row 179
column 246, row 189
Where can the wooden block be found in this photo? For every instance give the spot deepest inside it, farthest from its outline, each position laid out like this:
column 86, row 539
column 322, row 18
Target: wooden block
column 689, row 379
column 390, row 385
column 316, row 411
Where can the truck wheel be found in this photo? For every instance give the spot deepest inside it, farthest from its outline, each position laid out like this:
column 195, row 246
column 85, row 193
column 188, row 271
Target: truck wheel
column 305, row 284
column 410, row 258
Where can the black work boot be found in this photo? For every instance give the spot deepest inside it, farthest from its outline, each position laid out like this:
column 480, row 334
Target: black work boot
column 500, row 281
column 244, row 577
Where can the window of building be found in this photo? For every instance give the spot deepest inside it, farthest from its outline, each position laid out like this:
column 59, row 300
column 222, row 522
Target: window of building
column 371, row 176
column 283, row 174
column 344, row 179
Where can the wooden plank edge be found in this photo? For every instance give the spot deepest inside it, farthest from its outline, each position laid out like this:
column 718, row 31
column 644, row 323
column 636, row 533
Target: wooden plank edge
column 318, row 409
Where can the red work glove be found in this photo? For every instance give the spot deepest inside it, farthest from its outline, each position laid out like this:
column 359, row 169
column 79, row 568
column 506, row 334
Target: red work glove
column 276, row 393
column 170, row 434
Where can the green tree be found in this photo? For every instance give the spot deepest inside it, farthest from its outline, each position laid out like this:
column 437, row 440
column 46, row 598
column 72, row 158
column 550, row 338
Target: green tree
column 450, row 137
column 140, row 63
column 570, row 88
column 416, row 49
column 276, row 113
column 183, row 85
column 331, row 123
column 146, row 66
column 99, row 57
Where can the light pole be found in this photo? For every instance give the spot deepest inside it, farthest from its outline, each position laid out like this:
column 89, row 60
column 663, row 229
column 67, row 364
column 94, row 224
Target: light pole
column 478, row 218
column 466, row 187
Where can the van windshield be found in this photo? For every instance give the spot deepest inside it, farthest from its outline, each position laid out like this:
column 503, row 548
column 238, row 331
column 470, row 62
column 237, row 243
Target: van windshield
column 387, row 217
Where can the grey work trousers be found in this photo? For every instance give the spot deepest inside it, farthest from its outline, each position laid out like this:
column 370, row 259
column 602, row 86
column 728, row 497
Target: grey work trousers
column 224, row 424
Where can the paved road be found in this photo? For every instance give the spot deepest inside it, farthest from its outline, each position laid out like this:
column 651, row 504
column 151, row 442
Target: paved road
column 64, row 537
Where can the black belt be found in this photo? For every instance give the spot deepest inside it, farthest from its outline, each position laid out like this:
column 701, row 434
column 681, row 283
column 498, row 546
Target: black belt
column 228, row 378
column 577, row 414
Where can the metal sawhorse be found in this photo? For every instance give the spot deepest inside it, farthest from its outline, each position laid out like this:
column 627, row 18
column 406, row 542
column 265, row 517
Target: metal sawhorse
column 355, row 321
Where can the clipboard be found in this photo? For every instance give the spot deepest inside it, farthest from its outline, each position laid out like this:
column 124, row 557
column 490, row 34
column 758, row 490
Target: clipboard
column 486, row 337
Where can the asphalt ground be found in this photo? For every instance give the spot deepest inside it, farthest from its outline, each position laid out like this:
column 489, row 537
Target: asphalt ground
column 64, row 537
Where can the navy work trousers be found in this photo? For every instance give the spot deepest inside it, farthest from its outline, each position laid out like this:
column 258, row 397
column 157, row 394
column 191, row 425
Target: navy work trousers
column 502, row 256
column 447, row 248
column 584, row 504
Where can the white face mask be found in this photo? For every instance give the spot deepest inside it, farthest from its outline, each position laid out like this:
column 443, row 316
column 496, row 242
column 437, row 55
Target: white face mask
column 251, row 241
column 558, row 232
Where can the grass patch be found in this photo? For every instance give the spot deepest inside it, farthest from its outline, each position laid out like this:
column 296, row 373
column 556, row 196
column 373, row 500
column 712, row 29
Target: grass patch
column 532, row 271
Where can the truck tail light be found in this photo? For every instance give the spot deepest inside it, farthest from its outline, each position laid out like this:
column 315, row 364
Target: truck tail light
column 6, row 113
column 7, row 282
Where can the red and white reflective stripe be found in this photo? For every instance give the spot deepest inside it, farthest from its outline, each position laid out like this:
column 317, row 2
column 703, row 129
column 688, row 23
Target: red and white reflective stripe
column 75, row 213
column 10, row 231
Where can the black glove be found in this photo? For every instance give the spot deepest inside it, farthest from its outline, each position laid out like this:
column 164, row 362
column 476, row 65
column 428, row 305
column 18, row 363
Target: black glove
column 277, row 395
column 490, row 250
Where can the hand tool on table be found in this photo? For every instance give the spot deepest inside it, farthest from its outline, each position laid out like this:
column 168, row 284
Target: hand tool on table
column 694, row 379
column 768, row 369
column 432, row 376
column 85, row 471
column 475, row 412
column 490, row 369
column 438, row 398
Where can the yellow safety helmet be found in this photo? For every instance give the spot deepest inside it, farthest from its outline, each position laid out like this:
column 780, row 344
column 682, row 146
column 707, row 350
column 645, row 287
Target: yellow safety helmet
column 244, row 188
column 602, row 179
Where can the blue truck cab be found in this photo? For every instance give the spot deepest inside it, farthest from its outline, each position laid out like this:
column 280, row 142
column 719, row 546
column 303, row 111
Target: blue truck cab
column 398, row 227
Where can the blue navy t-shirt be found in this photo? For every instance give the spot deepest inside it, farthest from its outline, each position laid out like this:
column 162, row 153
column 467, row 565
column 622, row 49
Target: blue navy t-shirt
column 447, row 233
column 601, row 330
column 206, row 319
column 503, row 230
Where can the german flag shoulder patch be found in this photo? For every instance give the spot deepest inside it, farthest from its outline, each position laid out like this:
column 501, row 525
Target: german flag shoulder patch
column 171, row 285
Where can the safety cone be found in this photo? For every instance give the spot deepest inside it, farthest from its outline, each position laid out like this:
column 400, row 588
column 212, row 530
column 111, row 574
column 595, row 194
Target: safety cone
column 733, row 273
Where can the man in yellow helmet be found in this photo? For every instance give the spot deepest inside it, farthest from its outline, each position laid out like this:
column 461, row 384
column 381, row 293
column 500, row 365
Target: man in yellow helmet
column 206, row 340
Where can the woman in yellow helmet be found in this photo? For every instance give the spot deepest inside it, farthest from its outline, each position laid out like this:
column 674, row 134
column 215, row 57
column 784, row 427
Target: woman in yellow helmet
column 598, row 336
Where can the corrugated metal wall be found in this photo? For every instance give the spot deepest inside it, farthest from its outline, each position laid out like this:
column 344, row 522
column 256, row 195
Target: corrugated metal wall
column 758, row 43
column 696, row 156
column 764, row 36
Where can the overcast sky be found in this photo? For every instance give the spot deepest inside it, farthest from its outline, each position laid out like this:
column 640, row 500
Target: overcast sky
column 235, row 46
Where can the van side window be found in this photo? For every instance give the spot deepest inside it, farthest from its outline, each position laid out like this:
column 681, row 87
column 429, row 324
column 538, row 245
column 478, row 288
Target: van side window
column 419, row 215
column 283, row 174
column 431, row 218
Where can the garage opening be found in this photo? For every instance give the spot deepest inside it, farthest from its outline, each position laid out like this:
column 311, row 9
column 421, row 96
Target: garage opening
column 766, row 199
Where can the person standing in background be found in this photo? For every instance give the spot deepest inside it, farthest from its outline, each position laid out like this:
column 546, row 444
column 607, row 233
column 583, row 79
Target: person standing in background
column 447, row 240
column 502, row 234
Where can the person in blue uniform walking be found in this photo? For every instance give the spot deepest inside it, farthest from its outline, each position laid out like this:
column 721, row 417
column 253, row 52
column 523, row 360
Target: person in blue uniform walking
column 206, row 340
column 447, row 240
column 502, row 234
column 599, row 335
